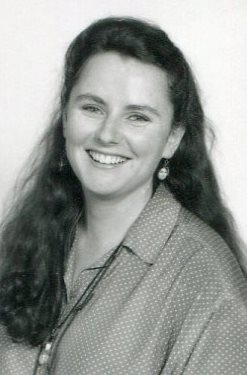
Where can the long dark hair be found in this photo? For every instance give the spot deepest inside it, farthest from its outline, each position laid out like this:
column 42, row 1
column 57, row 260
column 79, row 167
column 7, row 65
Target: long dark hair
column 37, row 234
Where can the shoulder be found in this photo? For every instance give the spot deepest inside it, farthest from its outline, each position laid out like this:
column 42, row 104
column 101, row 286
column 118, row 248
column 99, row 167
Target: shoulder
column 204, row 239
column 201, row 258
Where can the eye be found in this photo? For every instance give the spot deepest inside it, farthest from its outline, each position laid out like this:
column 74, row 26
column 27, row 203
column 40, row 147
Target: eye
column 137, row 117
column 92, row 109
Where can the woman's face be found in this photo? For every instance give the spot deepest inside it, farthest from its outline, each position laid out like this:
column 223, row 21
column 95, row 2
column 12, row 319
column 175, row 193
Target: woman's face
column 117, row 125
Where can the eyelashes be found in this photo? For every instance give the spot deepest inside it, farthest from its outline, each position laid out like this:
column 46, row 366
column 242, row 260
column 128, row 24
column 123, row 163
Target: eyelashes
column 139, row 117
column 136, row 119
column 92, row 109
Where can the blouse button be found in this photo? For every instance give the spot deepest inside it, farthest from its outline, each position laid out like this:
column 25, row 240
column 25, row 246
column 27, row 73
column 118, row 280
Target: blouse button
column 43, row 358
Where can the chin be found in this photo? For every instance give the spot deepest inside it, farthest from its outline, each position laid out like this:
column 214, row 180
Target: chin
column 103, row 190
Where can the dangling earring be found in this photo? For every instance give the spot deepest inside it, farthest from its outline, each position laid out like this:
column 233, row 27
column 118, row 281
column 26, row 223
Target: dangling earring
column 164, row 171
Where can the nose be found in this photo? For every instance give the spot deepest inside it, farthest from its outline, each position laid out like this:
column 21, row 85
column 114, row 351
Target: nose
column 108, row 131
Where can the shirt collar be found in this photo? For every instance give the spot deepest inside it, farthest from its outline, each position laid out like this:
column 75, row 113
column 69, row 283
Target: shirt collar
column 149, row 233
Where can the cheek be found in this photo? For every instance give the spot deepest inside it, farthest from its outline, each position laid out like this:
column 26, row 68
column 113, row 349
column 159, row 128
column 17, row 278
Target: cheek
column 75, row 132
column 151, row 144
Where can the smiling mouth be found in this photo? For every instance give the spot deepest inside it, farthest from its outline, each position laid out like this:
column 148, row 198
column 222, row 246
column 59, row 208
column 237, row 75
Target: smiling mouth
column 106, row 158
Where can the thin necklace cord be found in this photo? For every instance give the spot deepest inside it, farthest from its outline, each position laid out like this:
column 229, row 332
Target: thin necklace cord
column 80, row 304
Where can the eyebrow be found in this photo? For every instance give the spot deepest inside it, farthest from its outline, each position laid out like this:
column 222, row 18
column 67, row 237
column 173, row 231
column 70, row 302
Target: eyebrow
column 95, row 98
column 131, row 107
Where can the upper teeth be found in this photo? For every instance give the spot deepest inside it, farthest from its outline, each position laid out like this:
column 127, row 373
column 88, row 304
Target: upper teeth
column 107, row 159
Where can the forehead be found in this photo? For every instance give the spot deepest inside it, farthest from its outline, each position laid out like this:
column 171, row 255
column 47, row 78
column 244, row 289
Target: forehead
column 111, row 71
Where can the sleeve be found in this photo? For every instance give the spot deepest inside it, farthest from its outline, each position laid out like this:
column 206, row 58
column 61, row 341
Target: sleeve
column 221, row 349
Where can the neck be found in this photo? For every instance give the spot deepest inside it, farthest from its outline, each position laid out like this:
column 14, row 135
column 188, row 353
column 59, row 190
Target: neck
column 107, row 221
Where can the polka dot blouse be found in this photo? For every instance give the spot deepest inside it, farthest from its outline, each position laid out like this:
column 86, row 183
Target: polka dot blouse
column 170, row 300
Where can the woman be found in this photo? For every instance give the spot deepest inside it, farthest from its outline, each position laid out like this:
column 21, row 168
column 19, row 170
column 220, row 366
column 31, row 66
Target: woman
column 120, row 257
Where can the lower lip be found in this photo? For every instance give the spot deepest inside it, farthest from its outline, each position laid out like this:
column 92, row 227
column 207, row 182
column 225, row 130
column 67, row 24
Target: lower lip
column 106, row 166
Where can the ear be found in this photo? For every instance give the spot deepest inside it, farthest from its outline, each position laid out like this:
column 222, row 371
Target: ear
column 173, row 141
